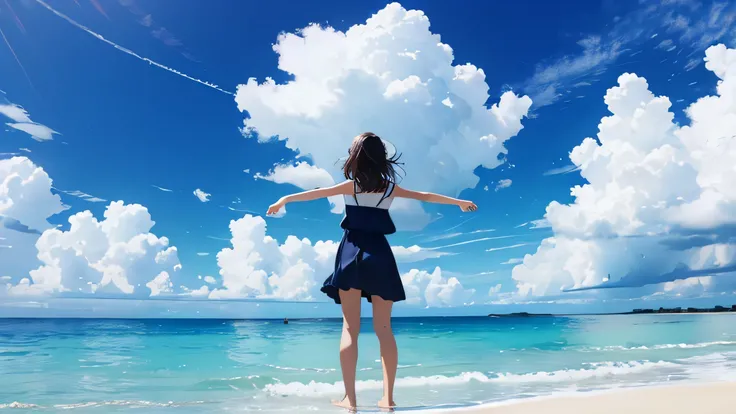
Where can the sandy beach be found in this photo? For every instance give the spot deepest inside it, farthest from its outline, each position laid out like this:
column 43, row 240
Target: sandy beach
column 702, row 399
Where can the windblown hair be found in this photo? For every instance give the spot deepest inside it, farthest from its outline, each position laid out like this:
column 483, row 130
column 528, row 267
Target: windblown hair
column 369, row 165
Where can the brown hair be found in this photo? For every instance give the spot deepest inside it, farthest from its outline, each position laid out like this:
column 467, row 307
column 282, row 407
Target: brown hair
column 369, row 165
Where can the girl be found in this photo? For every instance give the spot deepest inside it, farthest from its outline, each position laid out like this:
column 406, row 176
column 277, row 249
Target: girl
column 365, row 266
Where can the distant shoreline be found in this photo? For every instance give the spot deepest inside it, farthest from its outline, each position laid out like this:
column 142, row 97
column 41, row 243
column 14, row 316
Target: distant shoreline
column 660, row 311
column 337, row 319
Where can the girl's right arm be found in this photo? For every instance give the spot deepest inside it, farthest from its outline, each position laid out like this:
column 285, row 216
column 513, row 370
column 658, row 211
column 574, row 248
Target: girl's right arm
column 464, row 205
column 344, row 188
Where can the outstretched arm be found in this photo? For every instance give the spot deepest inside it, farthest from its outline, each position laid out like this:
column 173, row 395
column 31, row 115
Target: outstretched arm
column 343, row 188
column 464, row 205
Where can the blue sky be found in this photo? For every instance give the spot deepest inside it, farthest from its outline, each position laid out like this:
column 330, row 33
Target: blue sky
column 126, row 127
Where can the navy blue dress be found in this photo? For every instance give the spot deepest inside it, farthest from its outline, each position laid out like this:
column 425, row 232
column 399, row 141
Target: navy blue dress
column 364, row 258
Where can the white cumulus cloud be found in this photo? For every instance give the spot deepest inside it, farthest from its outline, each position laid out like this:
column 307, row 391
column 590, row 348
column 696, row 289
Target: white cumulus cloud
column 115, row 255
column 433, row 290
column 26, row 204
column 390, row 76
column 202, row 292
column 258, row 266
column 160, row 284
column 201, row 195
column 660, row 203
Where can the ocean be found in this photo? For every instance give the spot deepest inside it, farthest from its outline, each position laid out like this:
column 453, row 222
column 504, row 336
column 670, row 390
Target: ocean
column 198, row 366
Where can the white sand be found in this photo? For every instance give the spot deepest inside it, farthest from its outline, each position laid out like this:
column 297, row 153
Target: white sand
column 686, row 399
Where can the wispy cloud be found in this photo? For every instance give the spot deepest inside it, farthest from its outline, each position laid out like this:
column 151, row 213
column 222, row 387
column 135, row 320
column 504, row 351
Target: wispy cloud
column 202, row 254
column 36, row 131
column 416, row 253
column 161, row 188
column 15, row 112
column 513, row 261
column 471, row 241
column 241, row 210
column 535, row 224
column 442, row 237
column 23, row 122
column 692, row 64
column 540, row 224
column 685, row 25
column 505, row 183
column 84, row 196
column 159, row 32
column 22, row 68
column 130, row 52
column 96, row 4
column 165, row 37
column 463, row 222
column 549, row 81
column 513, row 246
column 665, row 44
column 16, row 19
column 453, row 235
column 562, row 170
column 218, row 238
column 465, row 277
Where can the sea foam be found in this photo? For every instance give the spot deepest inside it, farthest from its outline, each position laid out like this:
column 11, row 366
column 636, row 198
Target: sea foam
column 597, row 370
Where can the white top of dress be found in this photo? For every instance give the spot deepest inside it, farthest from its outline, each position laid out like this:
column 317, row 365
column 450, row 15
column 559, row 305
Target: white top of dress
column 377, row 200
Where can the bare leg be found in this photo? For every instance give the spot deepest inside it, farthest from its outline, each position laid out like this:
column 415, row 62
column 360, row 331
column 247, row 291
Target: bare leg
column 389, row 352
column 349, row 345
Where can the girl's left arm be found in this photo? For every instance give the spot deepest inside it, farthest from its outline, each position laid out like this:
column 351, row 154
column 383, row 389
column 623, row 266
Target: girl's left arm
column 344, row 188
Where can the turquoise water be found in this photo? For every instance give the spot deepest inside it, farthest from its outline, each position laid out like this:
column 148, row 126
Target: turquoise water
column 198, row 366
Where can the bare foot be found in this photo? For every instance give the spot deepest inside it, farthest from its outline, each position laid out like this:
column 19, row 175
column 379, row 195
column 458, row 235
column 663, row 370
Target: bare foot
column 386, row 404
column 345, row 403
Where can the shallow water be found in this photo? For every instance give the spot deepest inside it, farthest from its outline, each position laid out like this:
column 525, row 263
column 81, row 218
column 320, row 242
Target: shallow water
column 210, row 366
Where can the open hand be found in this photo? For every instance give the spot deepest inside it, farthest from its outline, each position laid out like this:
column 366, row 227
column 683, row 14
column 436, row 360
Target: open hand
column 466, row 205
column 275, row 207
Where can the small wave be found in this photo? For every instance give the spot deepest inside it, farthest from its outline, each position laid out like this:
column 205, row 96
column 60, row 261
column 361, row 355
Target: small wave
column 398, row 366
column 664, row 346
column 323, row 370
column 232, row 382
column 236, row 378
column 16, row 404
column 598, row 370
column 91, row 404
column 125, row 403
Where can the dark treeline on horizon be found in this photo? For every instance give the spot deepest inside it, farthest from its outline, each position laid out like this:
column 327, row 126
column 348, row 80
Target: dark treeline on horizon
column 686, row 310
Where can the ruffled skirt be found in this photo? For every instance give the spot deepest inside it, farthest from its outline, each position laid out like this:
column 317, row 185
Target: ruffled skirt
column 365, row 261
